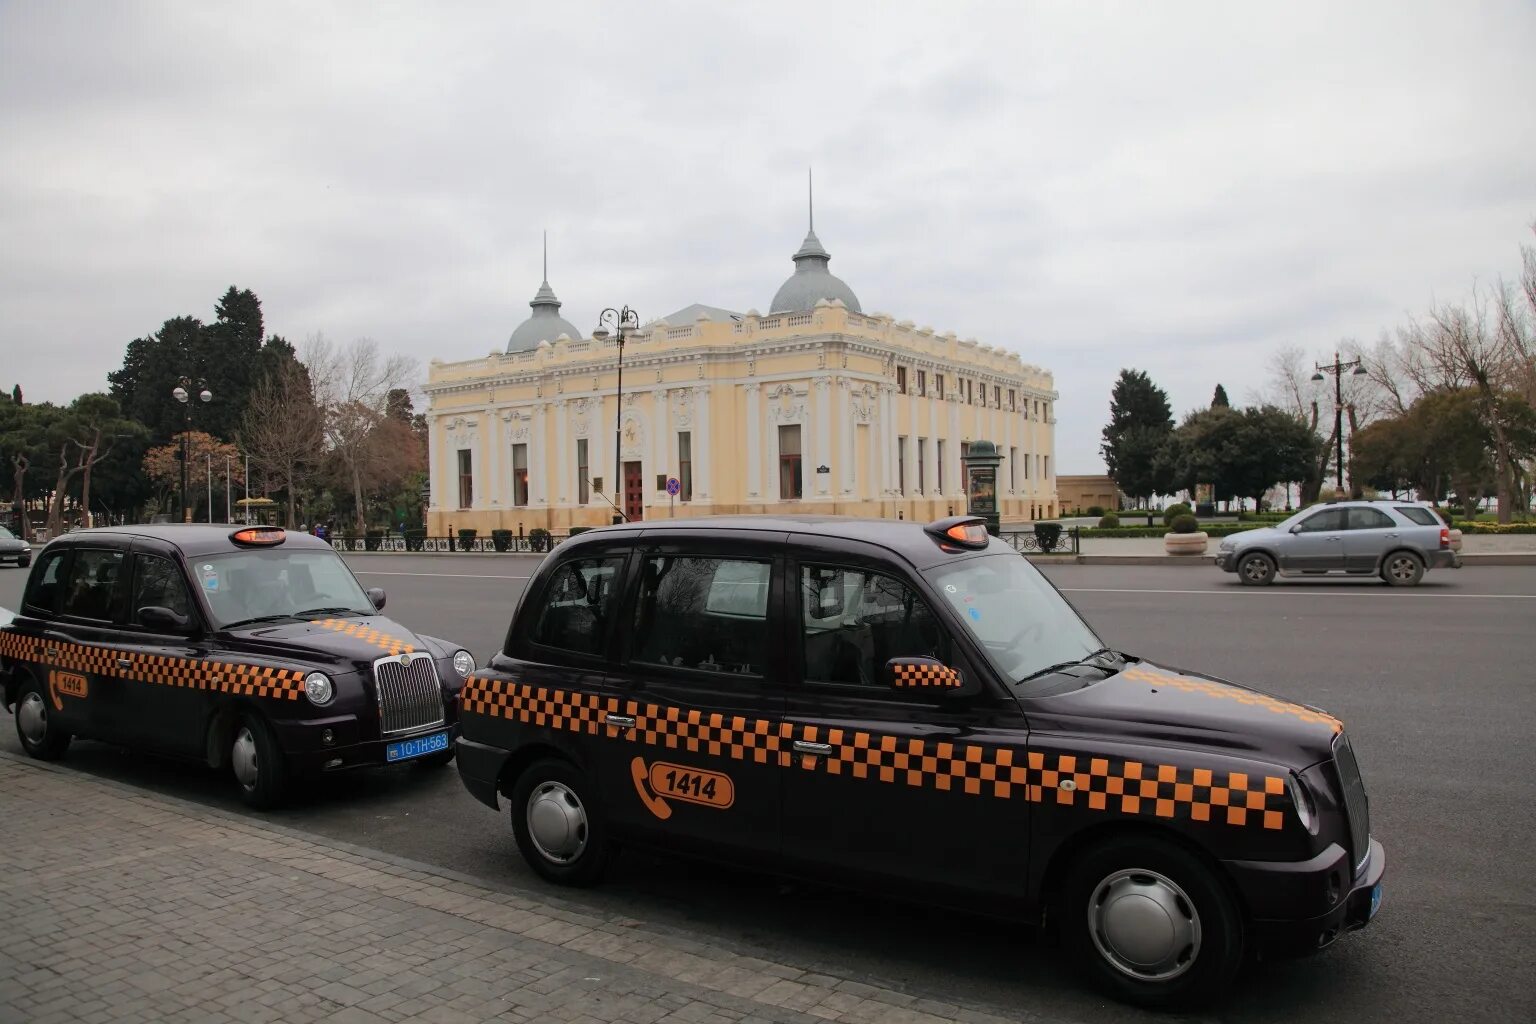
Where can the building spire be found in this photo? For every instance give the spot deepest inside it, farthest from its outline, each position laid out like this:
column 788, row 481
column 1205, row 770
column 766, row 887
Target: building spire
column 546, row 254
column 810, row 197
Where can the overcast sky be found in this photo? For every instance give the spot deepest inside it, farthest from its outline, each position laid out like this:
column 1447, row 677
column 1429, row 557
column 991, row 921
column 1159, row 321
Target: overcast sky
column 1179, row 188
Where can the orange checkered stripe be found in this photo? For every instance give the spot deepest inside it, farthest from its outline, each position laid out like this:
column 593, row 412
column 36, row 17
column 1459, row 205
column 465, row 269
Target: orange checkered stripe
column 191, row 673
column 390, row 645
column 1100, row 784
column 1222, row 691
column 925, row 677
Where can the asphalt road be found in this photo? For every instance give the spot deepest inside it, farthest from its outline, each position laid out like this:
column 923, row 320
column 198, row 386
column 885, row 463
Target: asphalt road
column 1434, row 684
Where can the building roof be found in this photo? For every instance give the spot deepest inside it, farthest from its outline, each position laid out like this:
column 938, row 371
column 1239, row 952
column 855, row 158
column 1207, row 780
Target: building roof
column 688, row 314
column 812, row 281
column 546, row 323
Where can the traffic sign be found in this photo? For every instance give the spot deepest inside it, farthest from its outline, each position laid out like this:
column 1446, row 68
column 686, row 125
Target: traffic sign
column 674, row 486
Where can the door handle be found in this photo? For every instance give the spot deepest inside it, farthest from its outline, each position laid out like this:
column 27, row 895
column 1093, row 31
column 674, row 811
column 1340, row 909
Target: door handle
column 813, row 749
column 52, row 652
column 621, row 721
column 124, row 663
column 1390, row 536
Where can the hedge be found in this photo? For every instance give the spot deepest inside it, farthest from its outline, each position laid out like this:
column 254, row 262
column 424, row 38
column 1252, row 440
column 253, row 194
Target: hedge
column 1495, row 528
column 1210, row 530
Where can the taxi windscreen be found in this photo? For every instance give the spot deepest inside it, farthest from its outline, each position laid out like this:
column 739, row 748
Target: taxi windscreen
column 270, row 584
column 1017, row 616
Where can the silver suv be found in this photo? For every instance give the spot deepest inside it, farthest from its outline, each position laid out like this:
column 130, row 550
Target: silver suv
column 1396, row 540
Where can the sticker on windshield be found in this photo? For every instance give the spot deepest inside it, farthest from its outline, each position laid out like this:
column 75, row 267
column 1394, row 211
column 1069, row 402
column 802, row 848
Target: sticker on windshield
column 210, row 577
column 975, row 614
column 949, row 588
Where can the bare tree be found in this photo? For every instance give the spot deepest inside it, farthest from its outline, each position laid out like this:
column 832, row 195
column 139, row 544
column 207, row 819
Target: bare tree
column 353, row 385
column 283, row 429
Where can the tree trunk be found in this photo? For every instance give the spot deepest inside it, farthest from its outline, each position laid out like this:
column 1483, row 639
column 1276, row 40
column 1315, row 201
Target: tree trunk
column 19, row 494
column 56, row 505
column 357, row 496
column 85, row 481
column 288, row 480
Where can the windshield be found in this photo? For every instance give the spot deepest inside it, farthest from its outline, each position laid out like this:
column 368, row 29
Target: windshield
column 1019, row 619
column 270, row 584
column 6, row 534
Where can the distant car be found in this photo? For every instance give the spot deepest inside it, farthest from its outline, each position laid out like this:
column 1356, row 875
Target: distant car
column 1396, row 540
column 14, row 549
column 251, row 649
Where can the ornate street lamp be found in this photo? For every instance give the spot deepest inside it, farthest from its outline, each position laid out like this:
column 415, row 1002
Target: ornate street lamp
column 183, row 394
column 1337, row 368
column 625, row 321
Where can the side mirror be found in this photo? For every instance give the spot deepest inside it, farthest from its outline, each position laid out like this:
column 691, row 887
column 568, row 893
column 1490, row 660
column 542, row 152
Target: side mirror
column 164, row 620
column 921, row 674
column 376, row 595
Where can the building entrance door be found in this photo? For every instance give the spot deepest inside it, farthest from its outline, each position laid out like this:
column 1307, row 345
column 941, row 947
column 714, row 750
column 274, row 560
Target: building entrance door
column 634, row 496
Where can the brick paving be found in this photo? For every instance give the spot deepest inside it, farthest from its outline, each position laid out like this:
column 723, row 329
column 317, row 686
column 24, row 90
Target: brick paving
column 121, row 906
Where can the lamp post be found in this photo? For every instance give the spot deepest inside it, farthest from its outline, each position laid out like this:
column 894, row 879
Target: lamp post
column 183, row 394
column 625, row 321
column 1337, row 368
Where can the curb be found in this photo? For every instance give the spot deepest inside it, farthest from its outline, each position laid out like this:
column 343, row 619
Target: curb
column 1487, row 558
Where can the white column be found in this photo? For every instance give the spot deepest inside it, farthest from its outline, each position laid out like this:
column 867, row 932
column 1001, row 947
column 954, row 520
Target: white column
column 565, row 457
column 538, row 484
column 663, row 444
column 892, row 430
column 823, row 427
column 434, row 462
column 843, row 423
column 703, row 474
column 952, row 451
column 754, row 484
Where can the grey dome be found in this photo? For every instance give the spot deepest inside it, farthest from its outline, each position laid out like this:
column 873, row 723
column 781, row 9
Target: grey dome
column 546, row 323
column 811, row 281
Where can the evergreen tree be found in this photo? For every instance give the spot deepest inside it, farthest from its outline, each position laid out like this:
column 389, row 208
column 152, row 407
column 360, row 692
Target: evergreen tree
column 1219, row 399
column 1140, row 421
column 16, row 395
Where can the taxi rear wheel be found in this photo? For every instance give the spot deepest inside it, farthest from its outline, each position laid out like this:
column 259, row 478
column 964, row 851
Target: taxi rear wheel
column 37, row 729
column 558, row 825
column 1151, row 923
column 257, row 763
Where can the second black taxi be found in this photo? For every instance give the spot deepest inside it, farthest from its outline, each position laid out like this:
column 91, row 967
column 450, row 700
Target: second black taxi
column 251, row 648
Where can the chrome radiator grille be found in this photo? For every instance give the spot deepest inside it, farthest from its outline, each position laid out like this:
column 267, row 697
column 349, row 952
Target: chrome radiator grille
column 1356, row 806
column 409, row 695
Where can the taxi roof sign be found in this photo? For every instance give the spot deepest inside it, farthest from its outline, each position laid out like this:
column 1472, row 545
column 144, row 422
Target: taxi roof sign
column 259, row 536
column 964, row 531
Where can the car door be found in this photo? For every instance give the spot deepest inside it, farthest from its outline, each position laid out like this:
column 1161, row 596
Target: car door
column 156, row 697
column 1371, row 534
column 79, row 653
column 699, row 752
column 903, row 785
column 1316, row 543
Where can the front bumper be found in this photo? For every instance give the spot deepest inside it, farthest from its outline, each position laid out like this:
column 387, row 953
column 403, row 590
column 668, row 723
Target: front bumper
column 1226, row 561
column 1301, row 907
column 306, row 752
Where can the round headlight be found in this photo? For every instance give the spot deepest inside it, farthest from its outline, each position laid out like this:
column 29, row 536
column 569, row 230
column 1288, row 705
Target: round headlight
column 1301, row 797
column 318, row 688
column 463, row 663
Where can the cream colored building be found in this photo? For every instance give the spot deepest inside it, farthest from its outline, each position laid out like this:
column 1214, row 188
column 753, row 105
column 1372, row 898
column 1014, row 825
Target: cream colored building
column 814, row 407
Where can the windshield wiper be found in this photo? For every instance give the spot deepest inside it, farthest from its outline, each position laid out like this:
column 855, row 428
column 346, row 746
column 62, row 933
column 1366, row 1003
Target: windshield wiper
column 337, row 610
column 259, row 618
column 1066, row 664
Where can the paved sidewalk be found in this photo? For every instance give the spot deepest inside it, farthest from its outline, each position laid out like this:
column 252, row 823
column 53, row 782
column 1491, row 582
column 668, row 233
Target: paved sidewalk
column 127, row 907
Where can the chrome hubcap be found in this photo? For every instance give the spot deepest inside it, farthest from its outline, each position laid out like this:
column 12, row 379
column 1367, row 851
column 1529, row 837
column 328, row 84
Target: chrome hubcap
column 1256, row 569
column 557, row 823
column 1402, row 568
column 243, row 757
column 32, row 716
column 1144, row 925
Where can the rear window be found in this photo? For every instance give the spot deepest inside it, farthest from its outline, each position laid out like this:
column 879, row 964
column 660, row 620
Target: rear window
column 1418, row 514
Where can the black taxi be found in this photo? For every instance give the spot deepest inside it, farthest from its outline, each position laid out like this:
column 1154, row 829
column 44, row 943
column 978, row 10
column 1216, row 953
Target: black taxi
column 253, row 649
column 915, row 707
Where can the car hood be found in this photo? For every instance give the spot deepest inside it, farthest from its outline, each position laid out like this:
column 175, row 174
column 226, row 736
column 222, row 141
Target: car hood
column 1260, row 533
column 360, row 641
column 13, row 545
column 1151, row 704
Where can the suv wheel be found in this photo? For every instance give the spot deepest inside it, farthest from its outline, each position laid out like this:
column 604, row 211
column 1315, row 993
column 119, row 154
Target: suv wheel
column 1402, row 569
column 558, row 825
column 1151, row 923
column 38, row 731
column 1256, row 570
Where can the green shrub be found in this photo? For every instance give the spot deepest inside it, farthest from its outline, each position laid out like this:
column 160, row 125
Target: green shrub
column 415, row 540
column 1175, row 510
column 538, row 539
column 579, row 529
column 1048, row 535
column 467, row 539
column 373, row 539
column 1184, row 523
column 1096, row 511
column 501, row 539
column 1109, row 522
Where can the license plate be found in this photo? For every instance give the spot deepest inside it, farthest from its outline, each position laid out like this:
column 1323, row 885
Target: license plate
column 404, row 750
column 1375, row 900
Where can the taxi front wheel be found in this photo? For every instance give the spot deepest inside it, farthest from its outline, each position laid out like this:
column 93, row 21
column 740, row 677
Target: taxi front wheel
column 257, row 763
column 558, row 825
column 37, row 729
column 1151, row 923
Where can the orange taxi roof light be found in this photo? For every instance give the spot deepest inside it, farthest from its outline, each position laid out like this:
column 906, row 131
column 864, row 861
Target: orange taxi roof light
column 966, row 531
column 260, row 535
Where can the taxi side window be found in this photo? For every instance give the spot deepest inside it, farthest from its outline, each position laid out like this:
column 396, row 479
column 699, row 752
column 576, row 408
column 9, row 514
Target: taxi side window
column 706, row 614
column 575, row 611
column 157, row 584
column 92, row 584
column 47, row 584
column 854, row 621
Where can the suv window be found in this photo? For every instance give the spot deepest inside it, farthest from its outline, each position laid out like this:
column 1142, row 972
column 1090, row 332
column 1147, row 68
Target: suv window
column 1325, row 521
column 574, row 615
column 157, row 584
column 43, row 594
column 1363, row 518
column 706, row 614
column 1417, row 514
column 854, row 621
column 92, row 584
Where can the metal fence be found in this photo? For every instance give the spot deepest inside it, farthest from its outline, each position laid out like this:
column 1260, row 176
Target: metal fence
column 440, row 545
column 1063, row 540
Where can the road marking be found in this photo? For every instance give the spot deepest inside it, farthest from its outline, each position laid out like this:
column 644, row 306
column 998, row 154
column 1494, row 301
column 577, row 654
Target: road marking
column 1288, row 592
column 439, row 575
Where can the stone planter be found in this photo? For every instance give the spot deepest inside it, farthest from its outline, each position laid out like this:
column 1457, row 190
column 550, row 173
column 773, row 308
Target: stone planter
column 1185, row 543
column 1455, row 540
